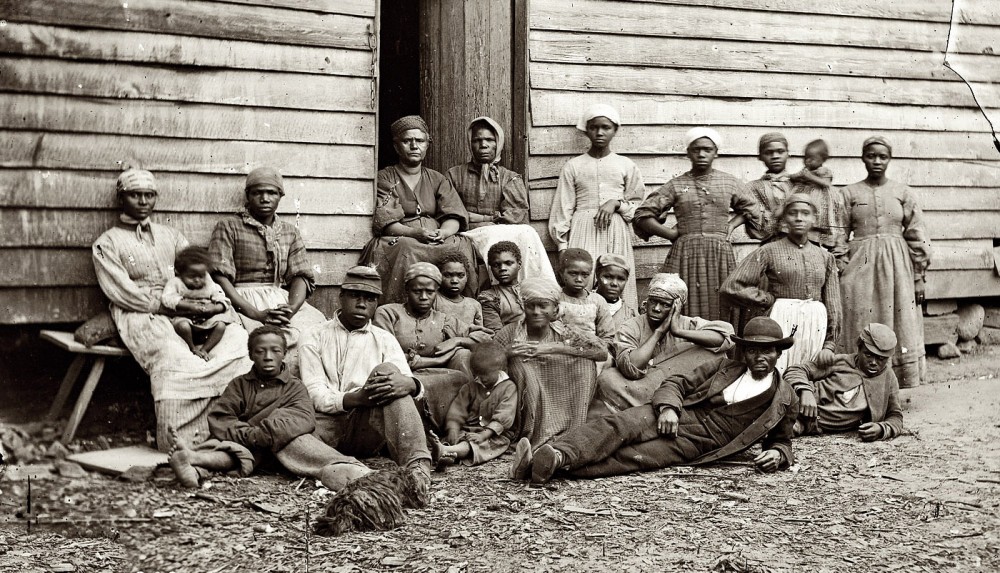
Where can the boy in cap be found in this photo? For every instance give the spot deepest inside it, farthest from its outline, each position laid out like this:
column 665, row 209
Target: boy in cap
column 856, row 392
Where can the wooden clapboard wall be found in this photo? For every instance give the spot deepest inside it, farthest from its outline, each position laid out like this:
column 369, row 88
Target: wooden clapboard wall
column 841, row 70
column 199, row 92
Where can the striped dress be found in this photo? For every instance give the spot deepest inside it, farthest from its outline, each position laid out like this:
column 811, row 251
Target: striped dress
column 584, row 185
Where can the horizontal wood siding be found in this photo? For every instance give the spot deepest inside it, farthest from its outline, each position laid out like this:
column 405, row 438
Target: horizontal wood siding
column 839, row 70
column 199, row 92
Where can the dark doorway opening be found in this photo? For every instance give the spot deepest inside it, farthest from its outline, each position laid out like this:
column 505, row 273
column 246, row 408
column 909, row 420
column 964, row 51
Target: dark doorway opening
column 399, row 71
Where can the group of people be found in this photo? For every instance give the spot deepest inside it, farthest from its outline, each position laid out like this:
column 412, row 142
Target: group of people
column 456, row 339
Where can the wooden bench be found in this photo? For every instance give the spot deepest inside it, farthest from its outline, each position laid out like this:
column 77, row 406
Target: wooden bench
column 99, row 354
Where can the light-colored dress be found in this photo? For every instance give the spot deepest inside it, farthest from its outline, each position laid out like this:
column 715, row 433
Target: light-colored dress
column 589, row 313
column 132, row 268
column 175, row 291
column 584, row 185
column 889, row 242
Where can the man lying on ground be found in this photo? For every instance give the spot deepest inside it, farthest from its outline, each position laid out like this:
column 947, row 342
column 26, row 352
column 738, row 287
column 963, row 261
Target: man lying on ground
column 721, row 408
column 856, row 392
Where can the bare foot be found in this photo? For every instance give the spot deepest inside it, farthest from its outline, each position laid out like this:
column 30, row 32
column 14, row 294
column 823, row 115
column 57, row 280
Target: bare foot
column 180, row 461
column 202, row 354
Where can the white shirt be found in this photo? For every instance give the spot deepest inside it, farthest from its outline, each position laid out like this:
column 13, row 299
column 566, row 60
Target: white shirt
column 745, row 387
column 335, row 361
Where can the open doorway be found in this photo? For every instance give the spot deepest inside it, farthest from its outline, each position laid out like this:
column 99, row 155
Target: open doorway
column 399, row 71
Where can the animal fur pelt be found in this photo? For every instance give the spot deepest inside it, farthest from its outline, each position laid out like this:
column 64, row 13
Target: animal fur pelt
column 373, row 502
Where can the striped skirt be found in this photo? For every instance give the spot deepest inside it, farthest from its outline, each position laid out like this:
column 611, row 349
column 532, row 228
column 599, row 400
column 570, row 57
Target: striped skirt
column 810, row 318
column 703, row 262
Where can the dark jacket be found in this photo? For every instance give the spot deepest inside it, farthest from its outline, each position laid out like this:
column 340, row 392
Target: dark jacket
column 262, row 414
column 774, row 426
column 881, row 390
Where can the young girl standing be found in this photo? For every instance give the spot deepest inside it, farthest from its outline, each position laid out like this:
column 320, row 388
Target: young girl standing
column 597, row 195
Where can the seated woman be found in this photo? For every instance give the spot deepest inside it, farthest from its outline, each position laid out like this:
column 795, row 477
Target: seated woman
column 436, row 345
column 553, row 365
column 657, row 344
column 260, row 262
column 497, row 200
column 133, row 261
column 418, row 214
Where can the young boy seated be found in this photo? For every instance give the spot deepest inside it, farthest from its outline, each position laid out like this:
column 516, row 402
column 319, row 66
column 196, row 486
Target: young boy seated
column 611, row 277
column 480, row 418
column 857, row 392
column 193, row 290
column 580, row 307
column 502, row 301
column 267, row 411
column 450, row 300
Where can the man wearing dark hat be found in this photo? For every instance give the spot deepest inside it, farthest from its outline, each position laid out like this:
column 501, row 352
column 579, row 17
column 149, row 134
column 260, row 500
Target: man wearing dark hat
column 362, row 387
column 856, row 392
column 721, row 408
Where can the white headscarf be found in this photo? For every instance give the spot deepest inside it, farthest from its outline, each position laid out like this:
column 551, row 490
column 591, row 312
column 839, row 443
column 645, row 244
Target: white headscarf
column 491, row 171
column 699, row 132
column 599, row 110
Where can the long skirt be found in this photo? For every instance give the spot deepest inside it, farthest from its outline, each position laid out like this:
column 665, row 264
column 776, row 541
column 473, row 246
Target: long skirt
column 392, row 256
column 617, row 239
column 703, row 262
column 810, row 318
column 182, row 384
column 534, row 259
column 877, row 286
column 265, row 296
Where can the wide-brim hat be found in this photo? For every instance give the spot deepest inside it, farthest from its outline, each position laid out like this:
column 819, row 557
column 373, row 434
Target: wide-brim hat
column 763, row 331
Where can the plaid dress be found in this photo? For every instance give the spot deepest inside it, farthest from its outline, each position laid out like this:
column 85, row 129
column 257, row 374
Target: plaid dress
column 554, row 389
column 702, row 254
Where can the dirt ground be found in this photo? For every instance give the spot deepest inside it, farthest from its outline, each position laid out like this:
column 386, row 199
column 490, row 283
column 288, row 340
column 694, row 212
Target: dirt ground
column 927, row 501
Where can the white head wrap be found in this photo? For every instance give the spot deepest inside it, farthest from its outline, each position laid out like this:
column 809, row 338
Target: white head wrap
column 599, row 110
column 699, row 132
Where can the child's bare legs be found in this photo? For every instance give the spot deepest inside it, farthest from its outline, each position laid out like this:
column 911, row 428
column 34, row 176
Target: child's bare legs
column 214, row 336
column 461, row 450
column 190, row 465
column 184, row 330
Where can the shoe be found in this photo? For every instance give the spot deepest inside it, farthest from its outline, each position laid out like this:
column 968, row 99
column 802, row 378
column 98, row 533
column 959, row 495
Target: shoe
column 547, row 461
column 520, row 466
column 421, row 486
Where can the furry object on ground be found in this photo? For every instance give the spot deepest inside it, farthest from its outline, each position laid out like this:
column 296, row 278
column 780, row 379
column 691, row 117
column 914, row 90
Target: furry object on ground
column 373, row 502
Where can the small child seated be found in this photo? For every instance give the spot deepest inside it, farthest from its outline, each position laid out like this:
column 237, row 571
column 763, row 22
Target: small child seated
column 580, row 307
column 267, row 411
column 502, row 301
column 816, row 180
column 454, row 275
column 193, row 290
column 611, row 277
column 480, row 418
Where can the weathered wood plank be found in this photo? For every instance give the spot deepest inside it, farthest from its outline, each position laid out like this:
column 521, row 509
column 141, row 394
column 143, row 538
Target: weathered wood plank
column 230, row 87
column 181, row 192
column 347, row 7
column 31, row 305
column 26, row 267
column 715, row 54
column 40, row 150
column 51, row 229
column 718, row 23
column 211, row 20
column 562, row 108
column 845, row 170
column 962, row 284
column 667, row 81
column 183, row 120
column 144, row 47
column 660, row 139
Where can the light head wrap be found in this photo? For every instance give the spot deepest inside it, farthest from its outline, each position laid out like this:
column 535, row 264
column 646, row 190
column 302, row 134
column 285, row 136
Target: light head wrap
column 135, row 180
column 362, row 278
column 265, row 177
column 612, row 260
column 876, row 140
column 538, row 288
column 599, row 110
column 768, row 138
column 668, row 286
column 408, row 122
column 493, row 172
column 879, row 339
column 422, row 269
column 696, row 133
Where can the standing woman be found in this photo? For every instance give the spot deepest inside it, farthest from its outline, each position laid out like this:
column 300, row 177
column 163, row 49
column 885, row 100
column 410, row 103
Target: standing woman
column 701, row 198
column 597, row 195
column 418, row 214
column 133, row 260
column 260, row 262
column 889, row 252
